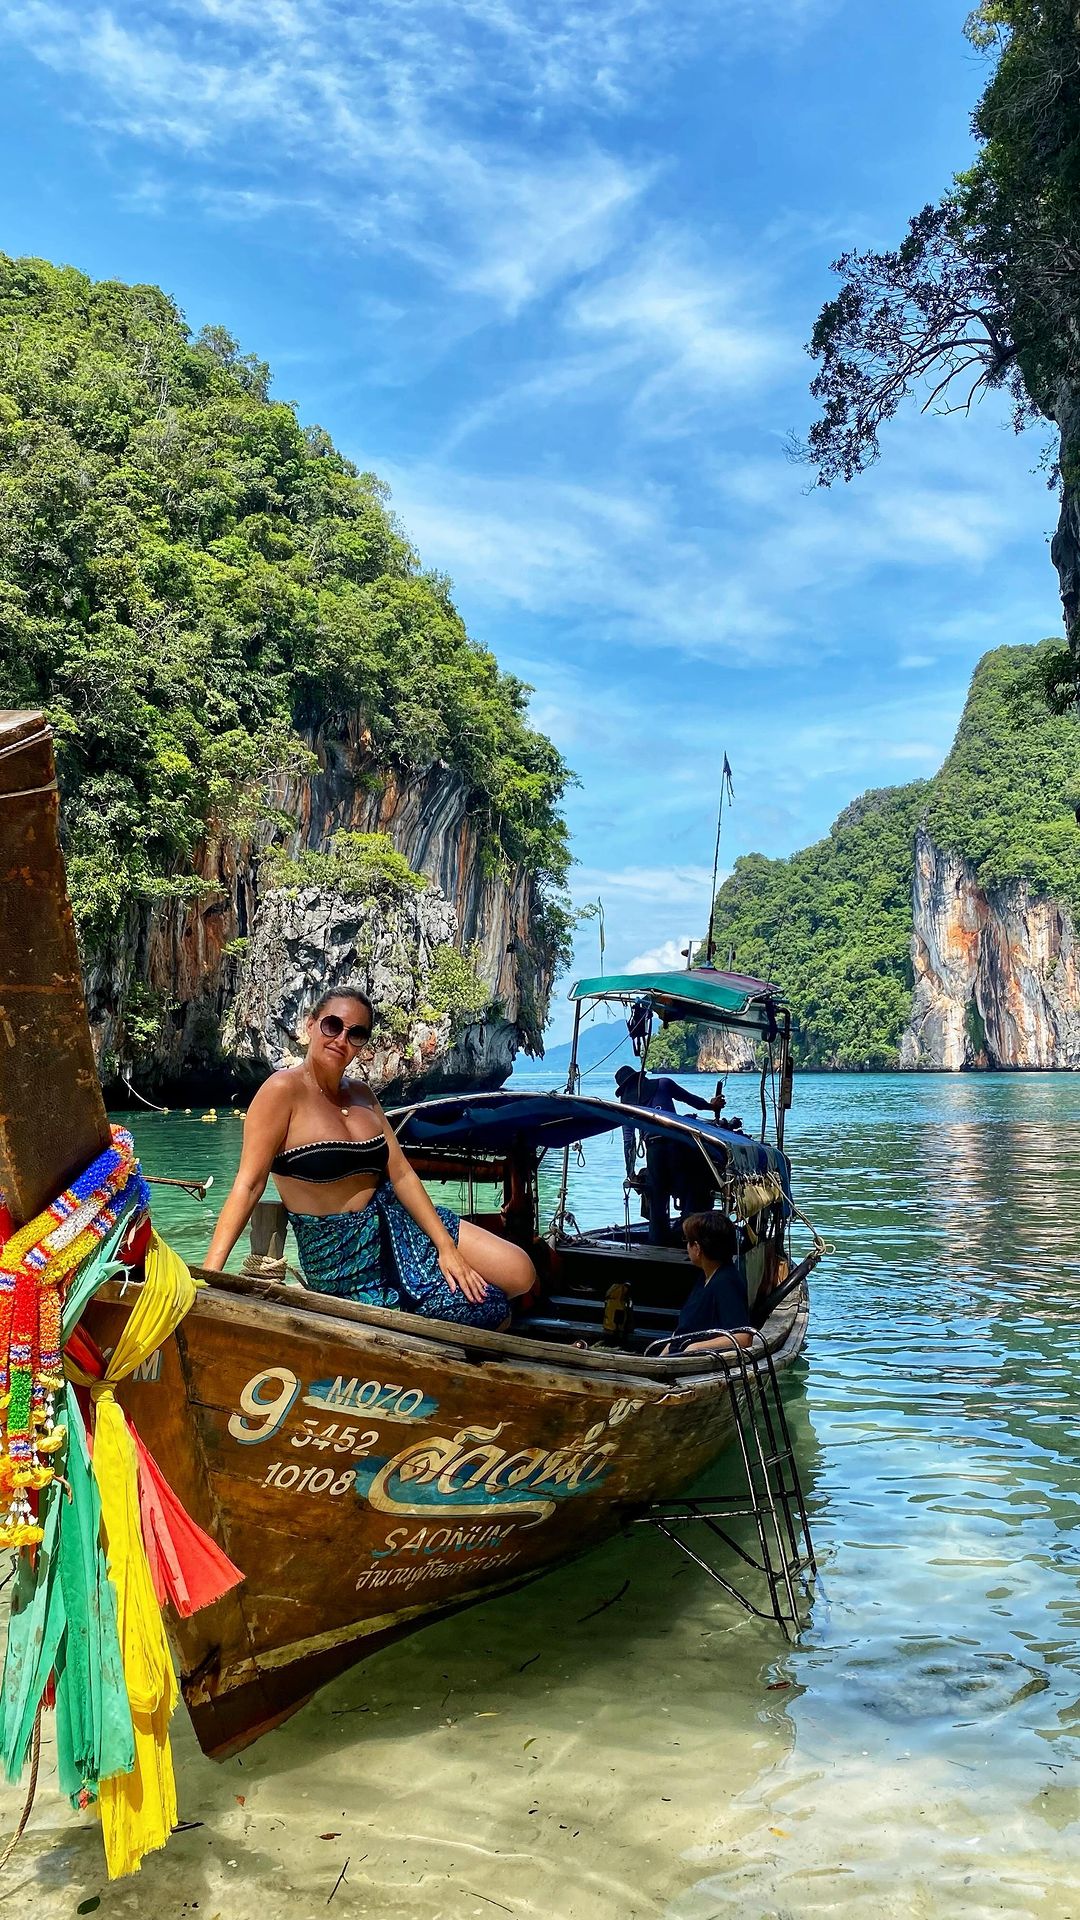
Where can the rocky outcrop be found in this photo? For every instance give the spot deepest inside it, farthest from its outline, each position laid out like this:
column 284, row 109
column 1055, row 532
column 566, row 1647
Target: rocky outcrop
column 387, row 950
column 721, row 1052
column 997, row 972
column 430, row 819
column 160, row 998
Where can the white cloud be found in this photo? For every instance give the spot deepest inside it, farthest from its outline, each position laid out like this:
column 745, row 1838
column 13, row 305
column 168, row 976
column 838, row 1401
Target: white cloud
column 758, row 570
column 873, row 743
column 676, row 886
column 665, row 336
column 668, row 958
column 699, row 328
column 615, row 553
column 462, row 132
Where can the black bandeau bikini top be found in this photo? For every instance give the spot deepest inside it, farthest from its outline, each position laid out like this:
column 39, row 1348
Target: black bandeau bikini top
column 326, row 1160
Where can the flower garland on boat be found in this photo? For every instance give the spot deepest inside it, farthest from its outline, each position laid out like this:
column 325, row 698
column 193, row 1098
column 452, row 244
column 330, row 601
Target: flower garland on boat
column 34, row 1264
column 104, row 1544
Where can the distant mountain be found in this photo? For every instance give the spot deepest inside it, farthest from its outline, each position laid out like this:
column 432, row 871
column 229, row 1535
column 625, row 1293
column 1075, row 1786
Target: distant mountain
column 601, row 1048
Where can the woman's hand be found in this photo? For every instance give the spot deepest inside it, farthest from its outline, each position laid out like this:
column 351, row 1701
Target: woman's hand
column 460, row 1277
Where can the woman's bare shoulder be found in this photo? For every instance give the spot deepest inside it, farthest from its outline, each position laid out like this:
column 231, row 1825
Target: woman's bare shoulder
column 276, row 1095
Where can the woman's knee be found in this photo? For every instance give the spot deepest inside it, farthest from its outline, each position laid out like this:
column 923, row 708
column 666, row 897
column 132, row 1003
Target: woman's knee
column 506, row 1266
column 518, row 1274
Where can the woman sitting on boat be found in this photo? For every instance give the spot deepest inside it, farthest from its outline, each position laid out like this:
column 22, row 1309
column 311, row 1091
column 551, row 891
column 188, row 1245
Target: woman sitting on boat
column 365, row 1228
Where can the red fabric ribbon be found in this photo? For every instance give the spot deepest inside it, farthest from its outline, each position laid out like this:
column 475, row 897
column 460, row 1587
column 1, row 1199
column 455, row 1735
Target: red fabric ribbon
column 189, row 1570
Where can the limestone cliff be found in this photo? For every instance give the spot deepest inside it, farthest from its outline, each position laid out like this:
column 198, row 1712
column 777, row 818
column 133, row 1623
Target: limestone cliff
column 721, row 1052
column 997, row 972
column 391, row 950
column 176, row 968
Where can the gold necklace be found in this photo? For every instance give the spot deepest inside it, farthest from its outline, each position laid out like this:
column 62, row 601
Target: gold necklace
column 329, row 1096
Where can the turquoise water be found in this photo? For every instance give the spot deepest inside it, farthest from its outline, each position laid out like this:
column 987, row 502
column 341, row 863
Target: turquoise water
column 665, row 1755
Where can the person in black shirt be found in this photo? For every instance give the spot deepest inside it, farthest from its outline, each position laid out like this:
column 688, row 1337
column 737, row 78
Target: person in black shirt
column 719, row 1298
column 656, row 1090
column 673, row 1165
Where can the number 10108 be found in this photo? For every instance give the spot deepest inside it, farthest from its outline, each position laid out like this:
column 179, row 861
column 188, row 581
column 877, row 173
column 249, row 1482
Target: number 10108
column 292, row 1477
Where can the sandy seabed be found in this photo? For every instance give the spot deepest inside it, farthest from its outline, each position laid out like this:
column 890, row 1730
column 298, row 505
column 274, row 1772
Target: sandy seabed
column 526, row 1758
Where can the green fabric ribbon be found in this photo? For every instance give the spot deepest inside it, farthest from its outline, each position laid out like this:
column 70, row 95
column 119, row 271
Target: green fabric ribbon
column 94, row 1736
column 35, row 1630
column 63, row 1610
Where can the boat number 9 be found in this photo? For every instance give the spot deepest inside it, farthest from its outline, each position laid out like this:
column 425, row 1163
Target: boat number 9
column 264, row 1404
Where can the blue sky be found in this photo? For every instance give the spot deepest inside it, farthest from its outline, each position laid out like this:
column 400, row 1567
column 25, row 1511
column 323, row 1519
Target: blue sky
column 548, row 266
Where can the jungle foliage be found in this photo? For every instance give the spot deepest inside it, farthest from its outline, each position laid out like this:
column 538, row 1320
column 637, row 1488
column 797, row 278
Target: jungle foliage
column 364, row 865
column 832, row 925
column 453, row 986
column 1007, row 794
column 190, row 580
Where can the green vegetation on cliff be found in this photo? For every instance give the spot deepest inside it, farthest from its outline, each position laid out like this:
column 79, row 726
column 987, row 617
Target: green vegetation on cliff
column 190, row 579
column 832, row 924
column 1007, row 793
column 364, row 864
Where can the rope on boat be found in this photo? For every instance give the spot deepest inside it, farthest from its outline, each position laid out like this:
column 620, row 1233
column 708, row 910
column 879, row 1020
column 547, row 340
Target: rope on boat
column 264, row 1266
column 821, row 1246
column 28, row 1803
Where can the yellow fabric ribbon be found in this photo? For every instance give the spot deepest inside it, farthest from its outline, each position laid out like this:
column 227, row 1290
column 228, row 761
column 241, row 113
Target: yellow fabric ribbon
column 138, row 1809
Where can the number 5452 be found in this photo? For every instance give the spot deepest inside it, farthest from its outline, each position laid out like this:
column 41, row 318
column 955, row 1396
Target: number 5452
column 342, row 1439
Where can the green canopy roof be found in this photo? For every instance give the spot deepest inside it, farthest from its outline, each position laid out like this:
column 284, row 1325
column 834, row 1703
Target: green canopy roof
column 699, row 993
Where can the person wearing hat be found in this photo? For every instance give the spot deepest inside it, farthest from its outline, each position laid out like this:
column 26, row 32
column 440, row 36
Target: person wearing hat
column 671, row 1164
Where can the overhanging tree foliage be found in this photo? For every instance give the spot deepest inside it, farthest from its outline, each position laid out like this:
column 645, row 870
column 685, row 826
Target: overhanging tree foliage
column 983, row 292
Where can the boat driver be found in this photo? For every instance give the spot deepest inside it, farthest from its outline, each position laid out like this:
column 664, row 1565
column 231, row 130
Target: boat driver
column 673, row 1166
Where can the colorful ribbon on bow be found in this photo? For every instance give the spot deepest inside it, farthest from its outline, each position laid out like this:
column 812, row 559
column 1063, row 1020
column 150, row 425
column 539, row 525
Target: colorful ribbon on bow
column 35, row 1262
column 111, row 1543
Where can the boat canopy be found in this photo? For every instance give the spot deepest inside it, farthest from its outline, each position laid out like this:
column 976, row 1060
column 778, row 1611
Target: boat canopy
column 700, row 993
column 495, row 1123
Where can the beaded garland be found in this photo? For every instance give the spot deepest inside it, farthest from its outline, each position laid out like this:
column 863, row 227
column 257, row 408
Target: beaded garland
column 35, row 1264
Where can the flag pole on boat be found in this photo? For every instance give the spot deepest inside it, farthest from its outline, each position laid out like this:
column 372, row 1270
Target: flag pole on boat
column 725, row 788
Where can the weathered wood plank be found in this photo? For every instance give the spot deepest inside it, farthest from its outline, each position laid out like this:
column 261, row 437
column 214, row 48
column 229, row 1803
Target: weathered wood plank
column 52, row 1118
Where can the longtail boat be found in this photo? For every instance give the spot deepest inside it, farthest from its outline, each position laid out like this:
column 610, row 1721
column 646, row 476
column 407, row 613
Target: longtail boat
column 367, row 1471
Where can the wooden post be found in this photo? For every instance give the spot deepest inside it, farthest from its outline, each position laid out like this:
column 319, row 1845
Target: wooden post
column 52, row 1117
column 269, row 1225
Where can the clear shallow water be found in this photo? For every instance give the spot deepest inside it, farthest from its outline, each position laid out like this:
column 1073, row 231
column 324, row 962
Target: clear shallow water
column 915, row 1755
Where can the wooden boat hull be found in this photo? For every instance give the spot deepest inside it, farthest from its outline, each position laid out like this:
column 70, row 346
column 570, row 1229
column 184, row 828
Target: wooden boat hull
column 368, row 1472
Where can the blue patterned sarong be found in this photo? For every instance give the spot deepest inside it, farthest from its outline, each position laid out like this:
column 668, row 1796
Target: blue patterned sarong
column 380, row 1257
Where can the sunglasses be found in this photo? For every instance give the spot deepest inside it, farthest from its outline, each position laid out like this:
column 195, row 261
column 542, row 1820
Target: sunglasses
column 331, row 1026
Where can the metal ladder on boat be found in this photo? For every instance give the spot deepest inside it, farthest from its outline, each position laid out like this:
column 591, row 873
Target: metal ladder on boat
column 772, row 1497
